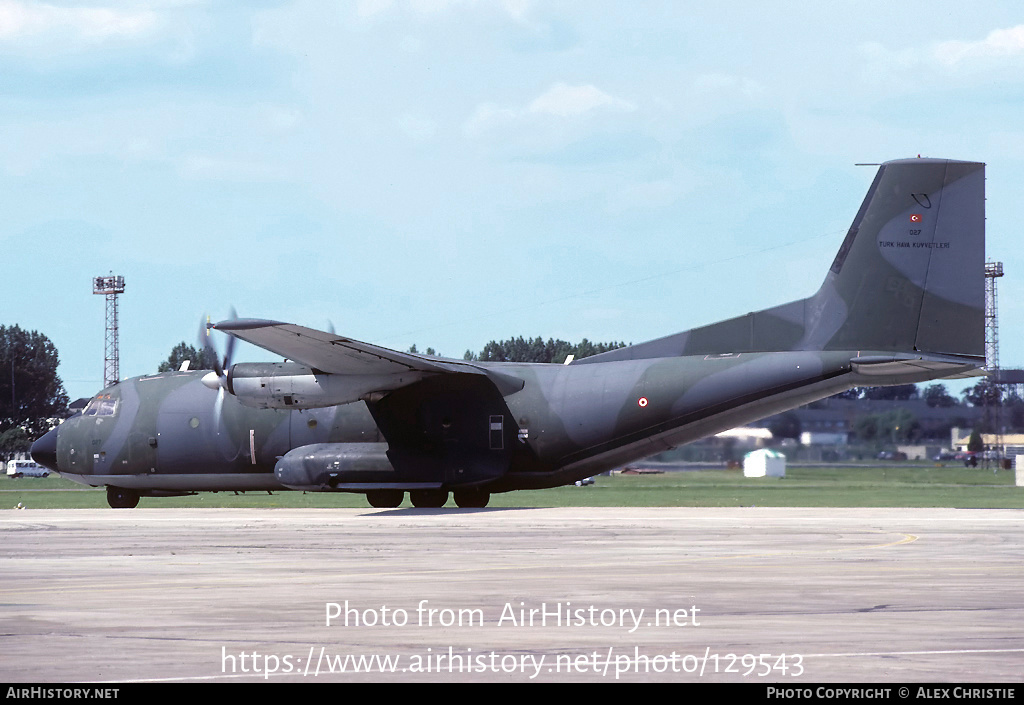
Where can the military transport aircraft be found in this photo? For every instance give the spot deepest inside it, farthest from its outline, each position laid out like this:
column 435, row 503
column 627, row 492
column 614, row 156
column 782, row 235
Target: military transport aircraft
column 903, row 302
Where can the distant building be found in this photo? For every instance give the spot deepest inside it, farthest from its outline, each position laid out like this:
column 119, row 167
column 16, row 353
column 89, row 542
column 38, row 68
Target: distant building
column 837, row 416
column 1008, row 444
column 921, row 452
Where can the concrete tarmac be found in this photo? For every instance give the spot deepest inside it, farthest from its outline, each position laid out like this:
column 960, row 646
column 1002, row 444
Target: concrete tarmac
column 755, row 595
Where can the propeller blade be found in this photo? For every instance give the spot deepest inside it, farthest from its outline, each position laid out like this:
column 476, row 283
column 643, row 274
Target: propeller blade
column 207, row 346
column 229, row 353
column 218, row 378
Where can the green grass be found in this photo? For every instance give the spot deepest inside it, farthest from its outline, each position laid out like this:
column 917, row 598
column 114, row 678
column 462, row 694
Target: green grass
column 871, row 486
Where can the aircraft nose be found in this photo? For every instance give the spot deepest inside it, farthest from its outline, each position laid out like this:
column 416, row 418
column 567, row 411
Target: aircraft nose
column 44, row 450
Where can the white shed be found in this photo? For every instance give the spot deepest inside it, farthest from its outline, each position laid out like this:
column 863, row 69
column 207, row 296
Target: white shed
column 764, row 463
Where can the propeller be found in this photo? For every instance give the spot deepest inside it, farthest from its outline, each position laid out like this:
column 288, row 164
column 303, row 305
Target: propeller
column 218, row 378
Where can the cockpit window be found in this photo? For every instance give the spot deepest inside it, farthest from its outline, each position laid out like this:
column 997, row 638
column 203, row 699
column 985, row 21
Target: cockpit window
column 101, row 406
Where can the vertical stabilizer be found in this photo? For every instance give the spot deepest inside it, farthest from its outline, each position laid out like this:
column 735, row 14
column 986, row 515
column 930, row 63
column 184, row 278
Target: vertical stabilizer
column 909, row 276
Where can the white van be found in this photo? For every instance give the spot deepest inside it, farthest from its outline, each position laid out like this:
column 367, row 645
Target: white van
column 25, row 468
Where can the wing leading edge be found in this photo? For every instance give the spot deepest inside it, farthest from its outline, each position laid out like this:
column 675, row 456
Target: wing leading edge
column 327, row 352
column 337, row 355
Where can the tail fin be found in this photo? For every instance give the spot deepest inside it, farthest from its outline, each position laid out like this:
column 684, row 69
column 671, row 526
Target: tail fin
column 910, row 274
column 909, row 277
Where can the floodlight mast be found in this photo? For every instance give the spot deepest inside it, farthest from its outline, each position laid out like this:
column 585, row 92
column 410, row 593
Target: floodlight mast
column 993, row 270
column 110, row 286
column 993, row 407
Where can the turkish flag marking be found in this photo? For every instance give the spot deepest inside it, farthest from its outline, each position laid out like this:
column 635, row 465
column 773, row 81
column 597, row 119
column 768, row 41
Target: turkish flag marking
column 916, row 218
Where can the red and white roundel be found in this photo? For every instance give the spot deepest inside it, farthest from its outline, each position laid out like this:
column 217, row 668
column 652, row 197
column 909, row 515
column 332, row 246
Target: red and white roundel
column 642, row 401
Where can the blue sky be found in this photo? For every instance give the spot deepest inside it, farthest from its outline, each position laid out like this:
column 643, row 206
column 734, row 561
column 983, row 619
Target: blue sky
column 447, row 172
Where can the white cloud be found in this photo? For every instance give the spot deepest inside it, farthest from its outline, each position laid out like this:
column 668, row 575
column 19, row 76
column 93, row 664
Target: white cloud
column 219, row 168
column 999, row 43
column 566, row 101
column 560, row 100
column 518, row 10
column 21, row 20
column 1000, row 49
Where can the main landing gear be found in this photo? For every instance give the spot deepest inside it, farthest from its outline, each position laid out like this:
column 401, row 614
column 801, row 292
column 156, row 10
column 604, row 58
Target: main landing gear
column 385, row 499
column 472, row 499
column 120, row 498
column 428, row 499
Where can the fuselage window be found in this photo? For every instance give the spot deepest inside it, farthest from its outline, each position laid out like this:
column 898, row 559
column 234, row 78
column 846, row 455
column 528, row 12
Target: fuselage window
column 101, row 407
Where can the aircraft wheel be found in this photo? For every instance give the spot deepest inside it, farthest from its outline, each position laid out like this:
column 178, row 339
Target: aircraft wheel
column 385, row 499
column 120, row 498
column 472, row 499
column 428, row 499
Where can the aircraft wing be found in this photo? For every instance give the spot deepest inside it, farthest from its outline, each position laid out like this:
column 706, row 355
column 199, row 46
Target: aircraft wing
column 338, row 355
column 328, row 352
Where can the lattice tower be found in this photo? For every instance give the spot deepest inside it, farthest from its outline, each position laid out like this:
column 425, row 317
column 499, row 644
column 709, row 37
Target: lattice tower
column 993, row 411
column 110, row 286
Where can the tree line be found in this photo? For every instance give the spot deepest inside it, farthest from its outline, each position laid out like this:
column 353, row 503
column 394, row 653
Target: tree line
column 522, row 349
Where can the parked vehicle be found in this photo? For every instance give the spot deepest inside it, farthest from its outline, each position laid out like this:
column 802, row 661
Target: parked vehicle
column 892, row 455
column 25, row 468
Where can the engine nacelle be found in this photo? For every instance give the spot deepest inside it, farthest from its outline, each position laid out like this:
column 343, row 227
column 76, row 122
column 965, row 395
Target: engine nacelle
column 289, row 385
